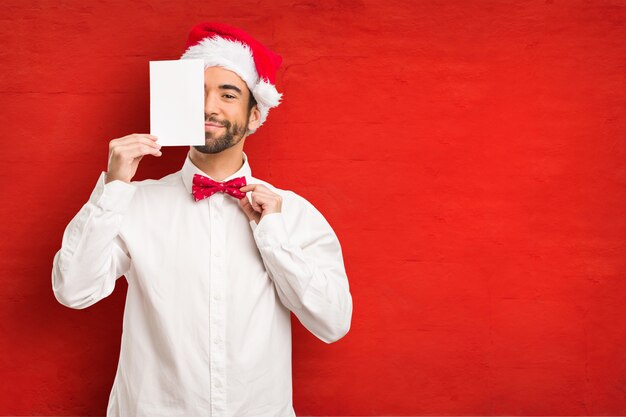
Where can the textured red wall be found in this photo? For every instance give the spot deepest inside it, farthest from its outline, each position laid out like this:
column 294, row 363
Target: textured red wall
column 470, row 156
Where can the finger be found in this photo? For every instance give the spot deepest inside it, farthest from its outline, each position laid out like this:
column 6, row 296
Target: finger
column 252, row 187
column 260, row 192
column 247, row 208
column 137, row 138
column 145, row 135
column 257, row 202
column 135, row 150
column 131, row 138
column 249, row 198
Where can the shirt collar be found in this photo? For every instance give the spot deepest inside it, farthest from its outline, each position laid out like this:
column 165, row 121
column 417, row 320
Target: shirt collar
column 189, row 169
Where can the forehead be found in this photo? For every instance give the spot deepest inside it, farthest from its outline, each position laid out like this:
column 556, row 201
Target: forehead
column 218, row 75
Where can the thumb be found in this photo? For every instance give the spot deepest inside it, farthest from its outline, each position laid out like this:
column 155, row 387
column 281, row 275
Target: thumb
column 247, row 207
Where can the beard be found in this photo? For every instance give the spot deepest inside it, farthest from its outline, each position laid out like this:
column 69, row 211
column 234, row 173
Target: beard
column 233, row 133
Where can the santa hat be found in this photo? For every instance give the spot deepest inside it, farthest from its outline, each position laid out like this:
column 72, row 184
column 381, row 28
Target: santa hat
column 226, row 46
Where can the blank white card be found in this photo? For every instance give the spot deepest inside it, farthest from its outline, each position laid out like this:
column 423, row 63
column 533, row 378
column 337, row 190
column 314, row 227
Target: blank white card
column 177, row 102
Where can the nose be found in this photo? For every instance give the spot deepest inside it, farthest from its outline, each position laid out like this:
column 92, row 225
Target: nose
column 211, row 105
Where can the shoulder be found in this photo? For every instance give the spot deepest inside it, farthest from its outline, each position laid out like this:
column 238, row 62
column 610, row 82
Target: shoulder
column 165, row 192
column 159, row 188
column 169, row 180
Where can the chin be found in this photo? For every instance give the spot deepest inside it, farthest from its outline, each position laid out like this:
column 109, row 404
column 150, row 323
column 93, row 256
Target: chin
column 203, row 149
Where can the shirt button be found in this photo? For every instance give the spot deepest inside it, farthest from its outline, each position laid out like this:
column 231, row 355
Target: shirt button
column 216, row 296
column 218, row 253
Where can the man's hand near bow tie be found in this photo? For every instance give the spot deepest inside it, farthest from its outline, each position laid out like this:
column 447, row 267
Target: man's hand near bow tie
column 264, row 202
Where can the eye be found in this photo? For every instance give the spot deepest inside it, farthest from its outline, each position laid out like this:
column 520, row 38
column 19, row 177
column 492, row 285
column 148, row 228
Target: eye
column 229, row 96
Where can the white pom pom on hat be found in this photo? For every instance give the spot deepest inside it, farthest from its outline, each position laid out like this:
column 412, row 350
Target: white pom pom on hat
column 232, row 48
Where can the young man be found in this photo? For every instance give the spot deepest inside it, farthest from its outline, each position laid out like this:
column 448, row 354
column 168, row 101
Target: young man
column 215, row 258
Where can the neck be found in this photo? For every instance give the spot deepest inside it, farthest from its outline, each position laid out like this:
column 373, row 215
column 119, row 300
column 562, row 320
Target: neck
column 218, row 165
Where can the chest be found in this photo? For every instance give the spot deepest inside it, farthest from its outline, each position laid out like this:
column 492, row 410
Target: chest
column 181, row 248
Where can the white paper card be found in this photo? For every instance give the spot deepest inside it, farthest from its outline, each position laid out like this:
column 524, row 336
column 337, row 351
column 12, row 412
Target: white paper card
column 177, row 102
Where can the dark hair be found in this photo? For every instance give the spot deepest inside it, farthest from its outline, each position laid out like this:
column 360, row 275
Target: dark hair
column 251, row 101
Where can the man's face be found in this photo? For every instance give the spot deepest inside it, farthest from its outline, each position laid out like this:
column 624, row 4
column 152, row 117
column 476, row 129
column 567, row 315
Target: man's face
column 226, row 98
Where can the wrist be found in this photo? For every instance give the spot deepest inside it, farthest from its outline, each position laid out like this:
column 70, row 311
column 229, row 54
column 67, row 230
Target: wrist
column 108, row 178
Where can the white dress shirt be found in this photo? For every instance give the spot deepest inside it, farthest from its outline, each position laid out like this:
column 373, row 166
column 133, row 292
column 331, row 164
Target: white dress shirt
column 206, row 329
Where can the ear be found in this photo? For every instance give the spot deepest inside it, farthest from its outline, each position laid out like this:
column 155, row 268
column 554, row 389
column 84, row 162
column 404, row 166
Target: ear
column 255, row 118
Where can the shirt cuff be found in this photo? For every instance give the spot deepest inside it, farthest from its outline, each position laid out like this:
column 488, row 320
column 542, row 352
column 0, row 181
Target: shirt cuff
column 271, row 230
column 114, row 196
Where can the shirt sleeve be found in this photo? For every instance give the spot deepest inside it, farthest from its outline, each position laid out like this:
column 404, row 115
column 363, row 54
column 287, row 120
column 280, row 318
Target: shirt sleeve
column 308, row 272
column 92, row 255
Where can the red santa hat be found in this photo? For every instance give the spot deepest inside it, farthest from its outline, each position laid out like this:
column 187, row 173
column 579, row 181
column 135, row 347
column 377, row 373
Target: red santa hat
column 232, row 48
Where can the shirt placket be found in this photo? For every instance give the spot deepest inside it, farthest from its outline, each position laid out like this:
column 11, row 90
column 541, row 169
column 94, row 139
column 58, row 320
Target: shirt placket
column 217, row 306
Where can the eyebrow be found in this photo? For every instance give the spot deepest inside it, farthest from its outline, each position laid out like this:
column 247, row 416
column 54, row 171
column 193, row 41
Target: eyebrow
column 230, row 87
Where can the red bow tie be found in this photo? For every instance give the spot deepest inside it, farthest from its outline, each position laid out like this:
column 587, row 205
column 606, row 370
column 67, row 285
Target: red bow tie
column 204, row 187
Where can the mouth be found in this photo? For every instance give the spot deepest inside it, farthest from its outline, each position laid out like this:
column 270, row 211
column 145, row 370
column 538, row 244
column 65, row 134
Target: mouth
column 212, row 126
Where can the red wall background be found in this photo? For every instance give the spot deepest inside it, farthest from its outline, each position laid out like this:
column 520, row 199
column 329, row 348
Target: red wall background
column 470, row 156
